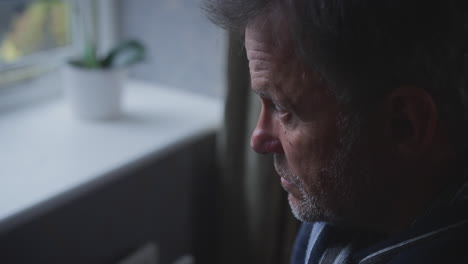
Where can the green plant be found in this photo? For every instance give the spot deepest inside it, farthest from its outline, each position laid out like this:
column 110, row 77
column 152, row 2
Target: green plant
column 124, row 54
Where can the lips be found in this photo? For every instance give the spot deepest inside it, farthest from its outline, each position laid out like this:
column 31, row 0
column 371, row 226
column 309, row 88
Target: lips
column 291, row 188
column 286, row 185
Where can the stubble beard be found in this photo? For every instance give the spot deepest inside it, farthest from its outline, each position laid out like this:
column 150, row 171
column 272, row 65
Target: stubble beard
column 334, row 190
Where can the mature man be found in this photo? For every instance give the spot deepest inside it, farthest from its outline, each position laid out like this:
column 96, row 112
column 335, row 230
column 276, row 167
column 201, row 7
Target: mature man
column 365, row 108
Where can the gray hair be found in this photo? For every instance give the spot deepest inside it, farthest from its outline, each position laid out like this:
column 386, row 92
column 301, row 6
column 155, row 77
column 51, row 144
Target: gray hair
column 365, row 48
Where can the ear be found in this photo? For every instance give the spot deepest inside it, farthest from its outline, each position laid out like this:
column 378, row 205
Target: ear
column 411, row 121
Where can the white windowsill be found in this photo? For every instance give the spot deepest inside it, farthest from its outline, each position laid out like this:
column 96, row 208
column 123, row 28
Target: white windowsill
column 47, row 156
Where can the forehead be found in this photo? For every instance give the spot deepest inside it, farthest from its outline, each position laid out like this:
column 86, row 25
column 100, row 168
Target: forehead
column 265, row 34
column 259, row 29
column 266, row 53
column 270, row 60
column 276, row 73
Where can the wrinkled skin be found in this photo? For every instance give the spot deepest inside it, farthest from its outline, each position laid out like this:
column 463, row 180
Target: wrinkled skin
column 299, row 123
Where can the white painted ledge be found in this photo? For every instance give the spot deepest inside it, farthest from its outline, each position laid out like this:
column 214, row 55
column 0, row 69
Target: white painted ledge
column 47, row 156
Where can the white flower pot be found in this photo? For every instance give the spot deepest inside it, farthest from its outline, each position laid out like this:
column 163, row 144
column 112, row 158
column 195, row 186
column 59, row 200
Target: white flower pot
column 94, row 94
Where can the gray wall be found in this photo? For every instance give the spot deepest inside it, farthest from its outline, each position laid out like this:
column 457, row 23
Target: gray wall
column 184, row 49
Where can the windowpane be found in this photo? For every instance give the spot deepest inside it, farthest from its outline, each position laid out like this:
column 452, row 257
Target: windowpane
column 29, row 27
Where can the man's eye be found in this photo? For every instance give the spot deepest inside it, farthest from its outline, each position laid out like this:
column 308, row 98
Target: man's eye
column 278, row 108
column 283, row 114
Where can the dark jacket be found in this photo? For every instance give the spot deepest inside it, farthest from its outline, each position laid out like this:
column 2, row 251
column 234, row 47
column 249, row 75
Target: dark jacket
column 440, row 236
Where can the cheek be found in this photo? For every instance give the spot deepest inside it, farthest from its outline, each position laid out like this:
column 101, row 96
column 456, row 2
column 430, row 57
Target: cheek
column 301, row 151
column 308, row 150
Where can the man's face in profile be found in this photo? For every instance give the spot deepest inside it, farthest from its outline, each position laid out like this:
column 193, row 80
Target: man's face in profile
column 301, row 123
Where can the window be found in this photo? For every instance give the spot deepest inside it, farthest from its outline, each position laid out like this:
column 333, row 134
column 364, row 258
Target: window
column 32, row 34
column 29, row 28
column 37, row 36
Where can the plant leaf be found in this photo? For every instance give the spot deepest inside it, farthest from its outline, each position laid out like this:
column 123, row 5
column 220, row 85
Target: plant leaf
column 90, row 59
column 125, row 54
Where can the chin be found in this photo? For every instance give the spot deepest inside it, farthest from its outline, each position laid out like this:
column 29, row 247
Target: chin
column 300, row 209
column 310, row 210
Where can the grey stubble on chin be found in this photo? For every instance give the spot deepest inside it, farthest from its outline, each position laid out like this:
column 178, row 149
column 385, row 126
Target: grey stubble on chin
column 304, row 208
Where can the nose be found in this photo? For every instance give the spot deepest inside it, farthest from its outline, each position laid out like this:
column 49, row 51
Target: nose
column 264, row 139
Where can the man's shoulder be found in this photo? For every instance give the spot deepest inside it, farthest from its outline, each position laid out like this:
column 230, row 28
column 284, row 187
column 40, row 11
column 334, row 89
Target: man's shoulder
column 448, row 247
column 441, row 239
column 448, row 244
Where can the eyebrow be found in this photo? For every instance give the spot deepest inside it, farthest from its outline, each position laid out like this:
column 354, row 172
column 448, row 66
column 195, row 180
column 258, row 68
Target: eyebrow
column 262, row 92
column 265, row 94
